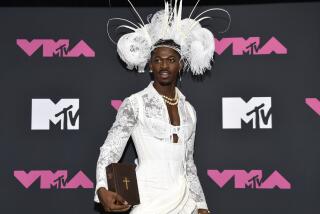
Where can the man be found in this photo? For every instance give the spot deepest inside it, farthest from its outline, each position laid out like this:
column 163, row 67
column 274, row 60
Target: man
column 160, row 120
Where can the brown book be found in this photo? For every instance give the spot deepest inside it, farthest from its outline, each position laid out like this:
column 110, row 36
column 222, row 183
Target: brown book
column 122, row 179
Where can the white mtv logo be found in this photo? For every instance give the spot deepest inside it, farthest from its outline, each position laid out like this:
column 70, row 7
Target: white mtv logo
column 66, row 111
column 256, row 110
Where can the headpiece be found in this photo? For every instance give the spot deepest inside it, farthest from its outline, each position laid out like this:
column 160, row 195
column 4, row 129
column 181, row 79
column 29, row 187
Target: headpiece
column 194, row 43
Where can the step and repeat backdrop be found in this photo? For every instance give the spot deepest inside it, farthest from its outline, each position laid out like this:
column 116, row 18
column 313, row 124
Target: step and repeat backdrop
column 257, row 143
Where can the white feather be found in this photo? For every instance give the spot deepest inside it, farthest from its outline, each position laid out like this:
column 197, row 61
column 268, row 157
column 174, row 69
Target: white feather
column 197, row 43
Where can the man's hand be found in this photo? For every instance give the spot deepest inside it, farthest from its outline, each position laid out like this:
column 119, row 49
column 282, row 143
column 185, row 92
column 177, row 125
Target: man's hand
column 111, row 201
column 203, row 211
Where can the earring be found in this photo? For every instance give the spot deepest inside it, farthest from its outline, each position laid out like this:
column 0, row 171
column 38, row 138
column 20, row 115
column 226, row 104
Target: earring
column 180, row 75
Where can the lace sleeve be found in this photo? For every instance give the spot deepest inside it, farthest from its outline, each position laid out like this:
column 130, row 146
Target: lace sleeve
column 196, row 190
column 116, row 140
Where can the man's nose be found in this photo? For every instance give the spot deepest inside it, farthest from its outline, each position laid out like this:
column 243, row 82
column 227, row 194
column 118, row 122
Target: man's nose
column 164, row 64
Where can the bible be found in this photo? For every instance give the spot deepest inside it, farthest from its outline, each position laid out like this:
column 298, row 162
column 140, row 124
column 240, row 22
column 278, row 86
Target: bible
column 121, row 178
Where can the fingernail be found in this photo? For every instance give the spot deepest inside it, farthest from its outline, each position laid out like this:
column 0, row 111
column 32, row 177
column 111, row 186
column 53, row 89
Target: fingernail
column 125, row 202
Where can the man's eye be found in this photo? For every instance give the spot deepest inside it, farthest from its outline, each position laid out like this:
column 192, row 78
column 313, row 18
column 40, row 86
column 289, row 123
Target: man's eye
column 172, row 60
column 157, row 60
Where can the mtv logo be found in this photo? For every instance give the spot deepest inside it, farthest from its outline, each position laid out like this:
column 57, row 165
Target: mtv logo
column 65, row 112
column 256, row 111
column 49, row 179
column 52, row 48
column 250, row 46
column 249, row 180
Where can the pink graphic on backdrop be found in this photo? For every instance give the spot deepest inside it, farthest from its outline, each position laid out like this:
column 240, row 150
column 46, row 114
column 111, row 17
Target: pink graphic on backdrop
column 57, row 180
column 250, row 46
column 52, row 48
column 314, row 104
column 252, row 179
column 116, row 104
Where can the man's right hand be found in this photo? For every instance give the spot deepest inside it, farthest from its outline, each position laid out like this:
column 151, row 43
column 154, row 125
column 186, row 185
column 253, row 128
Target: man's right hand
column 111, row 201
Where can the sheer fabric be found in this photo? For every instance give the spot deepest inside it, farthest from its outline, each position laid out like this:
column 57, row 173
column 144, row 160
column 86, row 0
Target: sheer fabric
column 166, row 172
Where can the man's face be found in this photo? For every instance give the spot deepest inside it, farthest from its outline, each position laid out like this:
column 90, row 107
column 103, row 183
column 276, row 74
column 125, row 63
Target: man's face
column 165, row 64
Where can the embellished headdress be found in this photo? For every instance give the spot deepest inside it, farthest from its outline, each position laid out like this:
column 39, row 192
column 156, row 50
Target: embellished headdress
column 194, row 43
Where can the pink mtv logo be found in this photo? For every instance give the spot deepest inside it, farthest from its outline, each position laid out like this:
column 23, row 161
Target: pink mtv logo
column 57, row 180
column 250, row 46
column 252, row 179
column 314, row 104
column 51, row 48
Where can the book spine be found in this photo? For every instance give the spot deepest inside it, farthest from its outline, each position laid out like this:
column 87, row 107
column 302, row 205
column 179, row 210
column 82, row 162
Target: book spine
column 115, row 177
column 111, row 178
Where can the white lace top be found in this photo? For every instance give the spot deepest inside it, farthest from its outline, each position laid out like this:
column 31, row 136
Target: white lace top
column 156, row 123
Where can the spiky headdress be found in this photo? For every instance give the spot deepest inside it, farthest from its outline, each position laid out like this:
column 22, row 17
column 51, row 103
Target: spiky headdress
column 196, row 43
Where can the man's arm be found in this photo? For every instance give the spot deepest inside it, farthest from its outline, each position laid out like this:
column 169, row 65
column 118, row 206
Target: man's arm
column 196, row 190
column 115, row 143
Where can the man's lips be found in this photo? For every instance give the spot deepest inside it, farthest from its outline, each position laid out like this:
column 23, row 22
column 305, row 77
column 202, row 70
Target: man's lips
column 164, row 74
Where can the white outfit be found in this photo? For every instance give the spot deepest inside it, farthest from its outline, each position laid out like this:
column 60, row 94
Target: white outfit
column 166, row 174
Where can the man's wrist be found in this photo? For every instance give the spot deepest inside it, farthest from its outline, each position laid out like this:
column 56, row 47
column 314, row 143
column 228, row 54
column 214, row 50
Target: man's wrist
column 203, row 211
column 101, row 189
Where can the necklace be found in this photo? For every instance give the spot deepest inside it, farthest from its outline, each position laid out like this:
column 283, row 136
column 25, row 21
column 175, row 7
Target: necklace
column 171, row 101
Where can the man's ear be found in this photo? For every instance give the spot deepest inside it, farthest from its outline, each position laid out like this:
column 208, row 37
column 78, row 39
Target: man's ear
column 181, row 64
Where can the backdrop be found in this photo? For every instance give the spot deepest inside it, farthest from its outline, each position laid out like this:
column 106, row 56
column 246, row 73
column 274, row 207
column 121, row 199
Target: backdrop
column 257, row 141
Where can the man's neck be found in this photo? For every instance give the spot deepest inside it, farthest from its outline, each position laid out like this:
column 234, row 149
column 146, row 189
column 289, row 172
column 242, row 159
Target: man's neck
column 166, row 90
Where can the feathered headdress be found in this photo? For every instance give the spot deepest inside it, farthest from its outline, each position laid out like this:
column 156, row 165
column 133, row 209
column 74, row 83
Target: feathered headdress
column 196, row 43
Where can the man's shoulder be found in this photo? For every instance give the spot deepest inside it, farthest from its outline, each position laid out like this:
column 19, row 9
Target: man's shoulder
column 191, row 110
column 189, row 105
column 139, row 93
column 136, row 96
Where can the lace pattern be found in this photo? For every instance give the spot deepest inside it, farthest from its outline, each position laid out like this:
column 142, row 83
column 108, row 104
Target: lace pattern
column 115, row 143
column 196, row 190
column 126, row 120
column 152, row 107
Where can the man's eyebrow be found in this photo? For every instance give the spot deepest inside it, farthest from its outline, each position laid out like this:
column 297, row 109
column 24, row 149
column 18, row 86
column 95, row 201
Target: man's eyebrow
column 155, row 56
